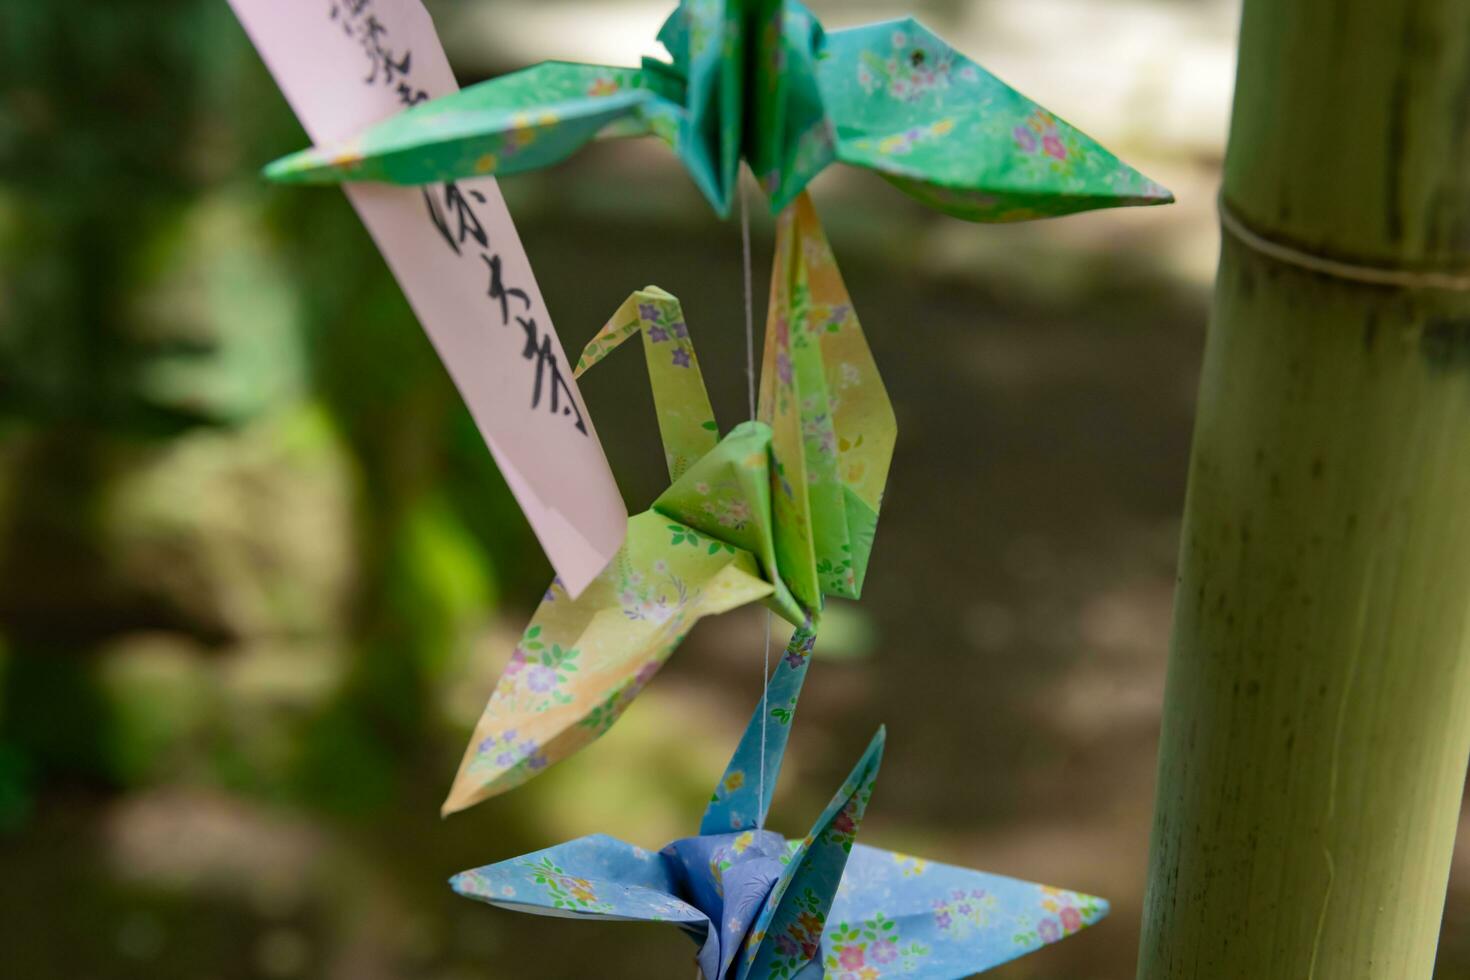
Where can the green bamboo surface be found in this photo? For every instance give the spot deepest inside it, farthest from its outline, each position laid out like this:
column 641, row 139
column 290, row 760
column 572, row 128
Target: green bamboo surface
column 1317, row 719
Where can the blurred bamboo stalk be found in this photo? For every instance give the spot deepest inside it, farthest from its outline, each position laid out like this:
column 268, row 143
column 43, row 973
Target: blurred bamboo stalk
column 1317, row 719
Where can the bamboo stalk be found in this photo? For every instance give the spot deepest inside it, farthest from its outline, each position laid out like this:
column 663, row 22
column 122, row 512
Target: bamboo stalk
column 1317, row 720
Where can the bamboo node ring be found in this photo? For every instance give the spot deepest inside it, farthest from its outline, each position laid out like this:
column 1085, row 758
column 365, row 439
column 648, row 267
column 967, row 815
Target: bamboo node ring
column 1373, row 275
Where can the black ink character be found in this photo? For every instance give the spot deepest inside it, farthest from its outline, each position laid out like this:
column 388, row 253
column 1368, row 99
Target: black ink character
column 349, row 10
column 498, row 291
column 562, row 402
column 455, row 209
column 410, row 96
column 380, row 58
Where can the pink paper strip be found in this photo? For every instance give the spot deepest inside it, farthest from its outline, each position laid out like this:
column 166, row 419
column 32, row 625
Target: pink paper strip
column 343, row 64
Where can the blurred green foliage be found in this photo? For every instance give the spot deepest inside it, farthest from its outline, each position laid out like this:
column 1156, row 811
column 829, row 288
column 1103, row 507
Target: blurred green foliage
column 247, row 536
column 162, row 310
column 245, row 526
column 258, row 572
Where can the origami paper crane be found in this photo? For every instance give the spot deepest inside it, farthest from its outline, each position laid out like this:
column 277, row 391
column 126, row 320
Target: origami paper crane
column 761, row 80
column 782, row 508
column 760, row 906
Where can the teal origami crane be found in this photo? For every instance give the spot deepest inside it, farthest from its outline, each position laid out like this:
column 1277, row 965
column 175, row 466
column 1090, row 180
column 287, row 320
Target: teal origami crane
column 760, row 80
column 759, row 906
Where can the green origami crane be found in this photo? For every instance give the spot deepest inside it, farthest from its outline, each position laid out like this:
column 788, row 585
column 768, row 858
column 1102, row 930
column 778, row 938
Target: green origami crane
column 782, row 508
column 760, row 80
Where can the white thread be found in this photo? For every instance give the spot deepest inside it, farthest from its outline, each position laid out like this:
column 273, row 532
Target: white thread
column 1372, row 275
column 765, row 690
column 750, row 392
column 749, row 315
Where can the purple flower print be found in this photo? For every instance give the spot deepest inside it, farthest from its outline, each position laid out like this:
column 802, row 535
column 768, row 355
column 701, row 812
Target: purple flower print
column 883, row 951
column 681, row 357
column 964, row 908
column 680, row 328
column 509, row 753
column 1071, row 919
column 540, row 678
column 1025, row 139
column 658, row 334
column 795, row 658
column 783, row 368
column 648, row 311
column 1054, row 147
column 943, row 920
column 1049, row 931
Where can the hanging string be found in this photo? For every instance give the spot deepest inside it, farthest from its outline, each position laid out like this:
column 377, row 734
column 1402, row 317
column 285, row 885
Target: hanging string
column 749, row 312
column 750, row 391
column 765, row 690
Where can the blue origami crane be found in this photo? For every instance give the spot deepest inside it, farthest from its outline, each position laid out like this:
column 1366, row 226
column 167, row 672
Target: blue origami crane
column 760, row 906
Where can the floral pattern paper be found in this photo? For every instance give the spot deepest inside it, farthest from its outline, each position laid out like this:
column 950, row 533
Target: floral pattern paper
column 782, row 509
column 761, row 80
column 761, row 907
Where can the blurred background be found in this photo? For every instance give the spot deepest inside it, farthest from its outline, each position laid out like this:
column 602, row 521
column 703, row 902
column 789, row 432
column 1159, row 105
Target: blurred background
column 258, row 572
